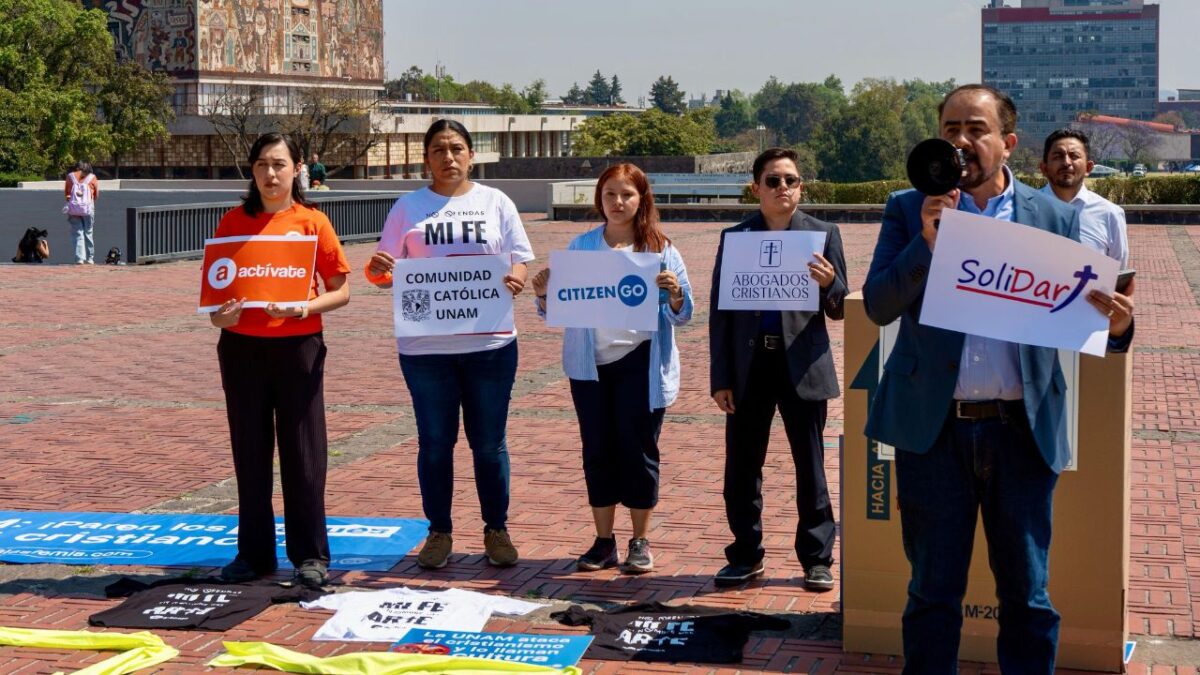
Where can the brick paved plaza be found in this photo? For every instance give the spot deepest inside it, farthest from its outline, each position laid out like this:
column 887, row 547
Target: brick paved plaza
column 111, row 402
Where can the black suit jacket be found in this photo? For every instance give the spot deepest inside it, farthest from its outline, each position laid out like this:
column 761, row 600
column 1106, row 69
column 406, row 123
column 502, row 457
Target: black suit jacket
column 732, row 334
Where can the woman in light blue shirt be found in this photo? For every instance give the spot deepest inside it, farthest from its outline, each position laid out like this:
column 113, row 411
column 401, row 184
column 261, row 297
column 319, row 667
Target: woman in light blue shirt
column 623, row 380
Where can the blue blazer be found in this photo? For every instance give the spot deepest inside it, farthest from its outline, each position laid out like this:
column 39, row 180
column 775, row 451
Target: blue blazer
column 919, row 377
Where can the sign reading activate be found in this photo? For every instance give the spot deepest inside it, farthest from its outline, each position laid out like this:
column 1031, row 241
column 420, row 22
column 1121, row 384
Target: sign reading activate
column 260, row 268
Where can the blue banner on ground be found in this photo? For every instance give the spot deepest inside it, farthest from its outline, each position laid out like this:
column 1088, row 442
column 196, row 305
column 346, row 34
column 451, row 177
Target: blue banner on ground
column 556, row 651
column 187, row 539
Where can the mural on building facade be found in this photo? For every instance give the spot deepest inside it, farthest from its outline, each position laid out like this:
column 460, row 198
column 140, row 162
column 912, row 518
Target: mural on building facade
column 322, row 38
column 159, row 34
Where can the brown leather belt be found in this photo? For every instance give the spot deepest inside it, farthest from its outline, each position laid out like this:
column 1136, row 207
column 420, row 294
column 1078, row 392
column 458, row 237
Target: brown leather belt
column 982, row 410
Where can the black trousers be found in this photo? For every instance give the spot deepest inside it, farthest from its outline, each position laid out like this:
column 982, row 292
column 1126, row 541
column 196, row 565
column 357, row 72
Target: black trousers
column 274, row 390
column 619, row 432
column 747, row 433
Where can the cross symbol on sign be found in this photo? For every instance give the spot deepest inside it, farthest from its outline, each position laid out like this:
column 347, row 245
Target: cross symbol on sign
column 770, row 253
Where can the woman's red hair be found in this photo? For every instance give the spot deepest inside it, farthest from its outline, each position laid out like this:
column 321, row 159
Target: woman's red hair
column 646, row 234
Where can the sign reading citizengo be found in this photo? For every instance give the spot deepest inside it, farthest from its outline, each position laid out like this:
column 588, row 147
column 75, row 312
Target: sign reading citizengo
column 260, row 268
column 603, row 289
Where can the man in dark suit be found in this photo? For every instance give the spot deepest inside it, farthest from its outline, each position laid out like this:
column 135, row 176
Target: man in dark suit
column 760, row 360
column 978, row 424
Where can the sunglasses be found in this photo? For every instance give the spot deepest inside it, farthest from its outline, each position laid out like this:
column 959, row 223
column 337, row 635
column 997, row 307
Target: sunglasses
column 773, row 181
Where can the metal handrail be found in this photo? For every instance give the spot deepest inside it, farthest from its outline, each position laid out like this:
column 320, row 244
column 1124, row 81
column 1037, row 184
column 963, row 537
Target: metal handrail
column 178, row 231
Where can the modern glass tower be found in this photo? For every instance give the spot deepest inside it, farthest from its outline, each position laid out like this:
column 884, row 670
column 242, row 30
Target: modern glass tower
column 1058, row 58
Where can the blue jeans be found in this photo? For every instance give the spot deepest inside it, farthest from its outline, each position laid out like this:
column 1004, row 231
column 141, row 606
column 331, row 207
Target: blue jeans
column 481, row 384
column 81, row 235
column 991, row 465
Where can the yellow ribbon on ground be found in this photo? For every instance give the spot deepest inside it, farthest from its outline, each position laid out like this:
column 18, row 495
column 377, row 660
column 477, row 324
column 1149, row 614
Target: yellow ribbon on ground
column 370, row 663
column 138, row 650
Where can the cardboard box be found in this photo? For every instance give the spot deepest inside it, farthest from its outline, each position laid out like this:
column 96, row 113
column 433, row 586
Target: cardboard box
column 1089, row 555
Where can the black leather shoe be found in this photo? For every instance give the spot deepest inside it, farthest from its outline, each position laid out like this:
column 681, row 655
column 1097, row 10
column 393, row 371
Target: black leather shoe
column 733, row 574
column 240, row 570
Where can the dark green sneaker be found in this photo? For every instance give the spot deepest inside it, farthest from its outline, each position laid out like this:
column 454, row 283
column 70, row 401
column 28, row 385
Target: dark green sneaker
column 240, row 571
column 818, row 578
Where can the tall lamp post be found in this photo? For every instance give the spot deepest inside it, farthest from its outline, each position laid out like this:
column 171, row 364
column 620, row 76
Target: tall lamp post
column 760, row 129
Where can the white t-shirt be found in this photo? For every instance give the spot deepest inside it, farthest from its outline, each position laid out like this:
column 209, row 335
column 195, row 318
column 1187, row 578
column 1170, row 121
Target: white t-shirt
column 613, row 344
column 385, row 616
column 424, row 224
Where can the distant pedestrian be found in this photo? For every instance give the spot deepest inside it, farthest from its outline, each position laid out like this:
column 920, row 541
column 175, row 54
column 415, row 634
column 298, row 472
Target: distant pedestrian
column 316, row 170
column 302, row 173
column 81, row 192
column 273, row 372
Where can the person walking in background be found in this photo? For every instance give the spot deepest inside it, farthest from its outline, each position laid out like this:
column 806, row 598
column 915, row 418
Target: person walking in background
column 302, row 174
column 763, row 360
column 273, row 372
column 447, row 372
column 81, row 192
column 623, row 380
column 316, row 170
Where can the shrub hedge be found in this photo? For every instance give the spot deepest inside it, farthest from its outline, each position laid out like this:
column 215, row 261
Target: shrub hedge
column 1169, row 189
column 11, row 179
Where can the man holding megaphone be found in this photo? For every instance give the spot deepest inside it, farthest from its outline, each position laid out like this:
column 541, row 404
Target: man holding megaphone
column 978, row 423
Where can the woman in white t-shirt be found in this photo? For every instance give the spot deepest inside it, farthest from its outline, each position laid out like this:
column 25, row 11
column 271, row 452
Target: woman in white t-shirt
column 623, row 380
column 454, row 216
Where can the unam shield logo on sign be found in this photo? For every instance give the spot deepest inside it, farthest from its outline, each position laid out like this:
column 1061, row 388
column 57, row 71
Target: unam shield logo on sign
column 415, row 305
column 222, row 273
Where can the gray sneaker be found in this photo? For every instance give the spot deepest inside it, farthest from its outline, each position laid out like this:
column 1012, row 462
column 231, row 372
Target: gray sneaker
column 818, row 578
column 639, row 560
column 436, row 551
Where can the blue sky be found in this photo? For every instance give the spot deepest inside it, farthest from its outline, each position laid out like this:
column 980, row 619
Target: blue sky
column 711, row 44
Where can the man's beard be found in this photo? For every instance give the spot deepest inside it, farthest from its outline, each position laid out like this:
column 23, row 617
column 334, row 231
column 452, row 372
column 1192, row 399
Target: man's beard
column 1067, row 182
column 976, row 174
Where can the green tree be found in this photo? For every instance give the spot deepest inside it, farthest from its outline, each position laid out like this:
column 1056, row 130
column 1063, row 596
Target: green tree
column 575, row 95
column 866, row 141
column 603, row 135
column 599, row 92
column 509, row 102
column 666, row 96
column 535, row 95
column 412, row 81
column 796, row 110
column 614, row 91
column 653, row 132
column 734, row 116
column 53, row 58
column 136, row 106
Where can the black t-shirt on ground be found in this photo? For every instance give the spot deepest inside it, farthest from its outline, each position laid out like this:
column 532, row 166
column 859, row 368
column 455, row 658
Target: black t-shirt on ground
column 205, row 604
column 658, row 632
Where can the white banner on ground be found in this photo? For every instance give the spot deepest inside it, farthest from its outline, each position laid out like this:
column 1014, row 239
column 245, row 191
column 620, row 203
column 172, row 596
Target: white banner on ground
column 1008, row 281
column 769, row 270
column 603, row 289
column 452, row 296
